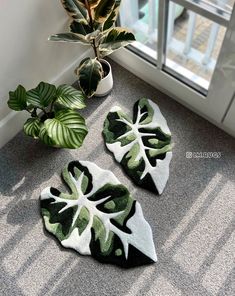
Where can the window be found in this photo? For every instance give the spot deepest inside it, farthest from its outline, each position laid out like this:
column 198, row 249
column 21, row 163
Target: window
column 182, row 38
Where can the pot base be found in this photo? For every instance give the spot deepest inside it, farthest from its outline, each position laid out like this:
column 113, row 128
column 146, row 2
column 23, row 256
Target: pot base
column 104, row 94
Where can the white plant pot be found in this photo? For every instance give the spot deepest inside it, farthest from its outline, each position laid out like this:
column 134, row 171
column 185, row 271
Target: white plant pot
column 106, row 84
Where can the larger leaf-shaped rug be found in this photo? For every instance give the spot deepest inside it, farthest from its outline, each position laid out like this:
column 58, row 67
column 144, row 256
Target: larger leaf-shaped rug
column 98, row 217
column 141, row 145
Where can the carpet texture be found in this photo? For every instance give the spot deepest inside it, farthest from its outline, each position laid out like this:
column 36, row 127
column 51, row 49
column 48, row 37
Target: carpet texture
column 98, row 217
column 192, row 221
column 141, row 145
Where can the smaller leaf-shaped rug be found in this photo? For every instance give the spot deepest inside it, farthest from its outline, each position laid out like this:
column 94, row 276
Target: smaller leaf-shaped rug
column 141, row 145
column 98, row 217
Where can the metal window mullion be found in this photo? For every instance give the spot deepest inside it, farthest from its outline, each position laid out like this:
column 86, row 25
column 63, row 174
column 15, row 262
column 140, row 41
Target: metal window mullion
column 171, row 21
column 152, row 16
column 206, row 11
column 163, row 10
column 190, row 32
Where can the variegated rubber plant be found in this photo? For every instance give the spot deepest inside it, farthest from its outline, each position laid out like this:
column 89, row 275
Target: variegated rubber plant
column 53, row 115
column 92, row 23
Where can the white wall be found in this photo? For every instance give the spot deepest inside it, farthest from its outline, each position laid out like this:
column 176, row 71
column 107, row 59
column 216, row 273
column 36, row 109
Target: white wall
column 26, row 57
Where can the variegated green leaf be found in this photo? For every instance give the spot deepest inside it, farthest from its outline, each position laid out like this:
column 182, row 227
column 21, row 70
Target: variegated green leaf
column 42, row 95
column 17, row 99
column 142, row 146
column 88, row 37
column 79, row 29
column 67, row 129
column 94, row 35
column 113, row 16
column 103, row 10
column 70, row 97
column 114, row 39
column 98, row 217
column 32, row 127
column 92, row 3
column 43, row 136
column 69, row 37
column 76, row 10
column 89, row 75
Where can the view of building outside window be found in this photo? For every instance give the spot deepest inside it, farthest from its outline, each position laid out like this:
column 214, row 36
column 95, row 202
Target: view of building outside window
column 193, row 42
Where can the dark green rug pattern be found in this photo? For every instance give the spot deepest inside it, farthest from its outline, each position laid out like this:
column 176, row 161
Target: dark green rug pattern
column 142, row 145
column 98, row 217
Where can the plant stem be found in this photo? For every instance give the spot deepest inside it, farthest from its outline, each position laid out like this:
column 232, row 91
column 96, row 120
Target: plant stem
column 89, row 13
column 92, row 27
column 52, row 104
column 44, row 111
column 33, row 113
column 95, row 50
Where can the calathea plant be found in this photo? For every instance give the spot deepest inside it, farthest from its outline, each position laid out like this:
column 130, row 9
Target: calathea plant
column 92, row 23
column 53, row 116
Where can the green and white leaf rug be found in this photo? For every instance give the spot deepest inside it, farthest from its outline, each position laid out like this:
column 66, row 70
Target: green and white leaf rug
column 98, row 217
column 141, row 145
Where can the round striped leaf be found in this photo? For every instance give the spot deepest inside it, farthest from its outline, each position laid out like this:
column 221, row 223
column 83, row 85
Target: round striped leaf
column 70, row 97
column 32, row 127
column 67, row 129
column 89, row 75
column 17, row 99
column 43, row 136
column 42, row 95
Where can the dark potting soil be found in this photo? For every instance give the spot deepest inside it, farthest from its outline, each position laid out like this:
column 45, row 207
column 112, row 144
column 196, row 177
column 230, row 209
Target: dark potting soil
column 106, row 69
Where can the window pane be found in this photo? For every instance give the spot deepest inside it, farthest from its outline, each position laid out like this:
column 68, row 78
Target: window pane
column 193, row 42
column 141, row 17
column 193, row 46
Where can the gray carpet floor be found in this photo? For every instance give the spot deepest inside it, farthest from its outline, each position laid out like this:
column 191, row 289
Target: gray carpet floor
column 192, row 221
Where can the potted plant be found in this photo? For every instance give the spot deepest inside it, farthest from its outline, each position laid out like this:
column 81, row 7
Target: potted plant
column 53, row 116
column 92, row 23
